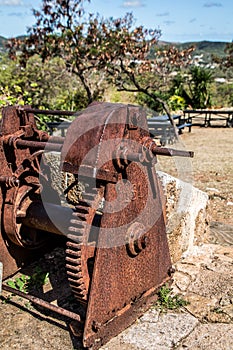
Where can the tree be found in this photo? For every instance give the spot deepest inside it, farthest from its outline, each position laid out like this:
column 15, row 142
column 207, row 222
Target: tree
column 226, row 61
column 94, row 48
column 223, row 94
column 61, row 30
column 178, row 90
column 138, row 72
column 198, row 87
column 194, row 87
column 229, row 52
column 137, row 68
column 45, row 85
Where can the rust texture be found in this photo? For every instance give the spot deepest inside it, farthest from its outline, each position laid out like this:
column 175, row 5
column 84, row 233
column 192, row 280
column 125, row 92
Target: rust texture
column 116, row 247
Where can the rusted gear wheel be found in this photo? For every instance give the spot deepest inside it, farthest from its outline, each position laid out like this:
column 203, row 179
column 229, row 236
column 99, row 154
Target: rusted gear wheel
column 81, row 243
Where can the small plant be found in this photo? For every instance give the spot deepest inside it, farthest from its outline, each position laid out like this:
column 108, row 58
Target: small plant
column 26, row 283
column 218, row 310
column 5, row 300
column 20, row 283
column 38, row 279
column 168, row 301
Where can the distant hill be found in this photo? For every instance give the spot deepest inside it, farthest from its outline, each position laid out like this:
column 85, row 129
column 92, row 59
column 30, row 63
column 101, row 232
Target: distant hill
column 3, row 41
column 207, row 48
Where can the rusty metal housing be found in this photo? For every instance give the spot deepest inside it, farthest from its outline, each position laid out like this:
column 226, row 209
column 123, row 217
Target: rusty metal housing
column 116, row 257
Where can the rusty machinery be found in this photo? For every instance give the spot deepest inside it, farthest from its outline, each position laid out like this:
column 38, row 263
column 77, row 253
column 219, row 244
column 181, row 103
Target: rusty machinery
column 117, row 254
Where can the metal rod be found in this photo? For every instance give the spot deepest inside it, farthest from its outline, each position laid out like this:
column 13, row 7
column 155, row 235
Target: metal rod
column 55, row 143
column 48, row 217
column 56, row 139
column 135, row 157
column 162, row 151
column 45, row 304
column 39, row 145
column 47, row 111
column 157, row 150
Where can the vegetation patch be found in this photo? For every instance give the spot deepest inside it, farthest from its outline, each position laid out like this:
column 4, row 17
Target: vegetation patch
column 168, row 301
column 25, row 283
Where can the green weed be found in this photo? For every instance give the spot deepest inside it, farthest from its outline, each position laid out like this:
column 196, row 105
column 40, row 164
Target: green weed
column 38, row 279
column 168, row 301
column 20, row 283
column 218, row 310
column 26, row 283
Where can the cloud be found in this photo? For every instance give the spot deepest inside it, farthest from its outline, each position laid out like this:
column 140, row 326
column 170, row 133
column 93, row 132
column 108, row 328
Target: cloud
column 212, row 4
column 192, row 20
column 16, row 14
column 163, row 14
column 168, row 23
column 133, row 3
column 11, row 2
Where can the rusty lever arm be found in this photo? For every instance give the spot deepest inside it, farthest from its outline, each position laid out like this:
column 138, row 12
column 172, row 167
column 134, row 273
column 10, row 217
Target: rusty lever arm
column 45, row 304
column 50, row 146
column 170, row 152
column 162, row 151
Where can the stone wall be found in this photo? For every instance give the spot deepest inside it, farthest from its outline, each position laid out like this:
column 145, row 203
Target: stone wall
column 186, row 214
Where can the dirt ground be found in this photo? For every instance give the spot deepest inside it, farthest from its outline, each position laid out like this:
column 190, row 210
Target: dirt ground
column 211, row 170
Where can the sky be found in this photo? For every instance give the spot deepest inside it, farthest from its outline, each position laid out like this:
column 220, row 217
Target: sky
column 178, row 20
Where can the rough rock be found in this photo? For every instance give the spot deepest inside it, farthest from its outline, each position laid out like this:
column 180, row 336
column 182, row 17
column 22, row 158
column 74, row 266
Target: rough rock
column 216, row 336
column 161, row 334
column 206, row 281
column 187, row 216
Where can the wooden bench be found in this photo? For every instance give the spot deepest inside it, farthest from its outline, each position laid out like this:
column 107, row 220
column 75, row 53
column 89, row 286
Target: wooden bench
column 161, row 128
column 62, row 126
column 180, row 127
